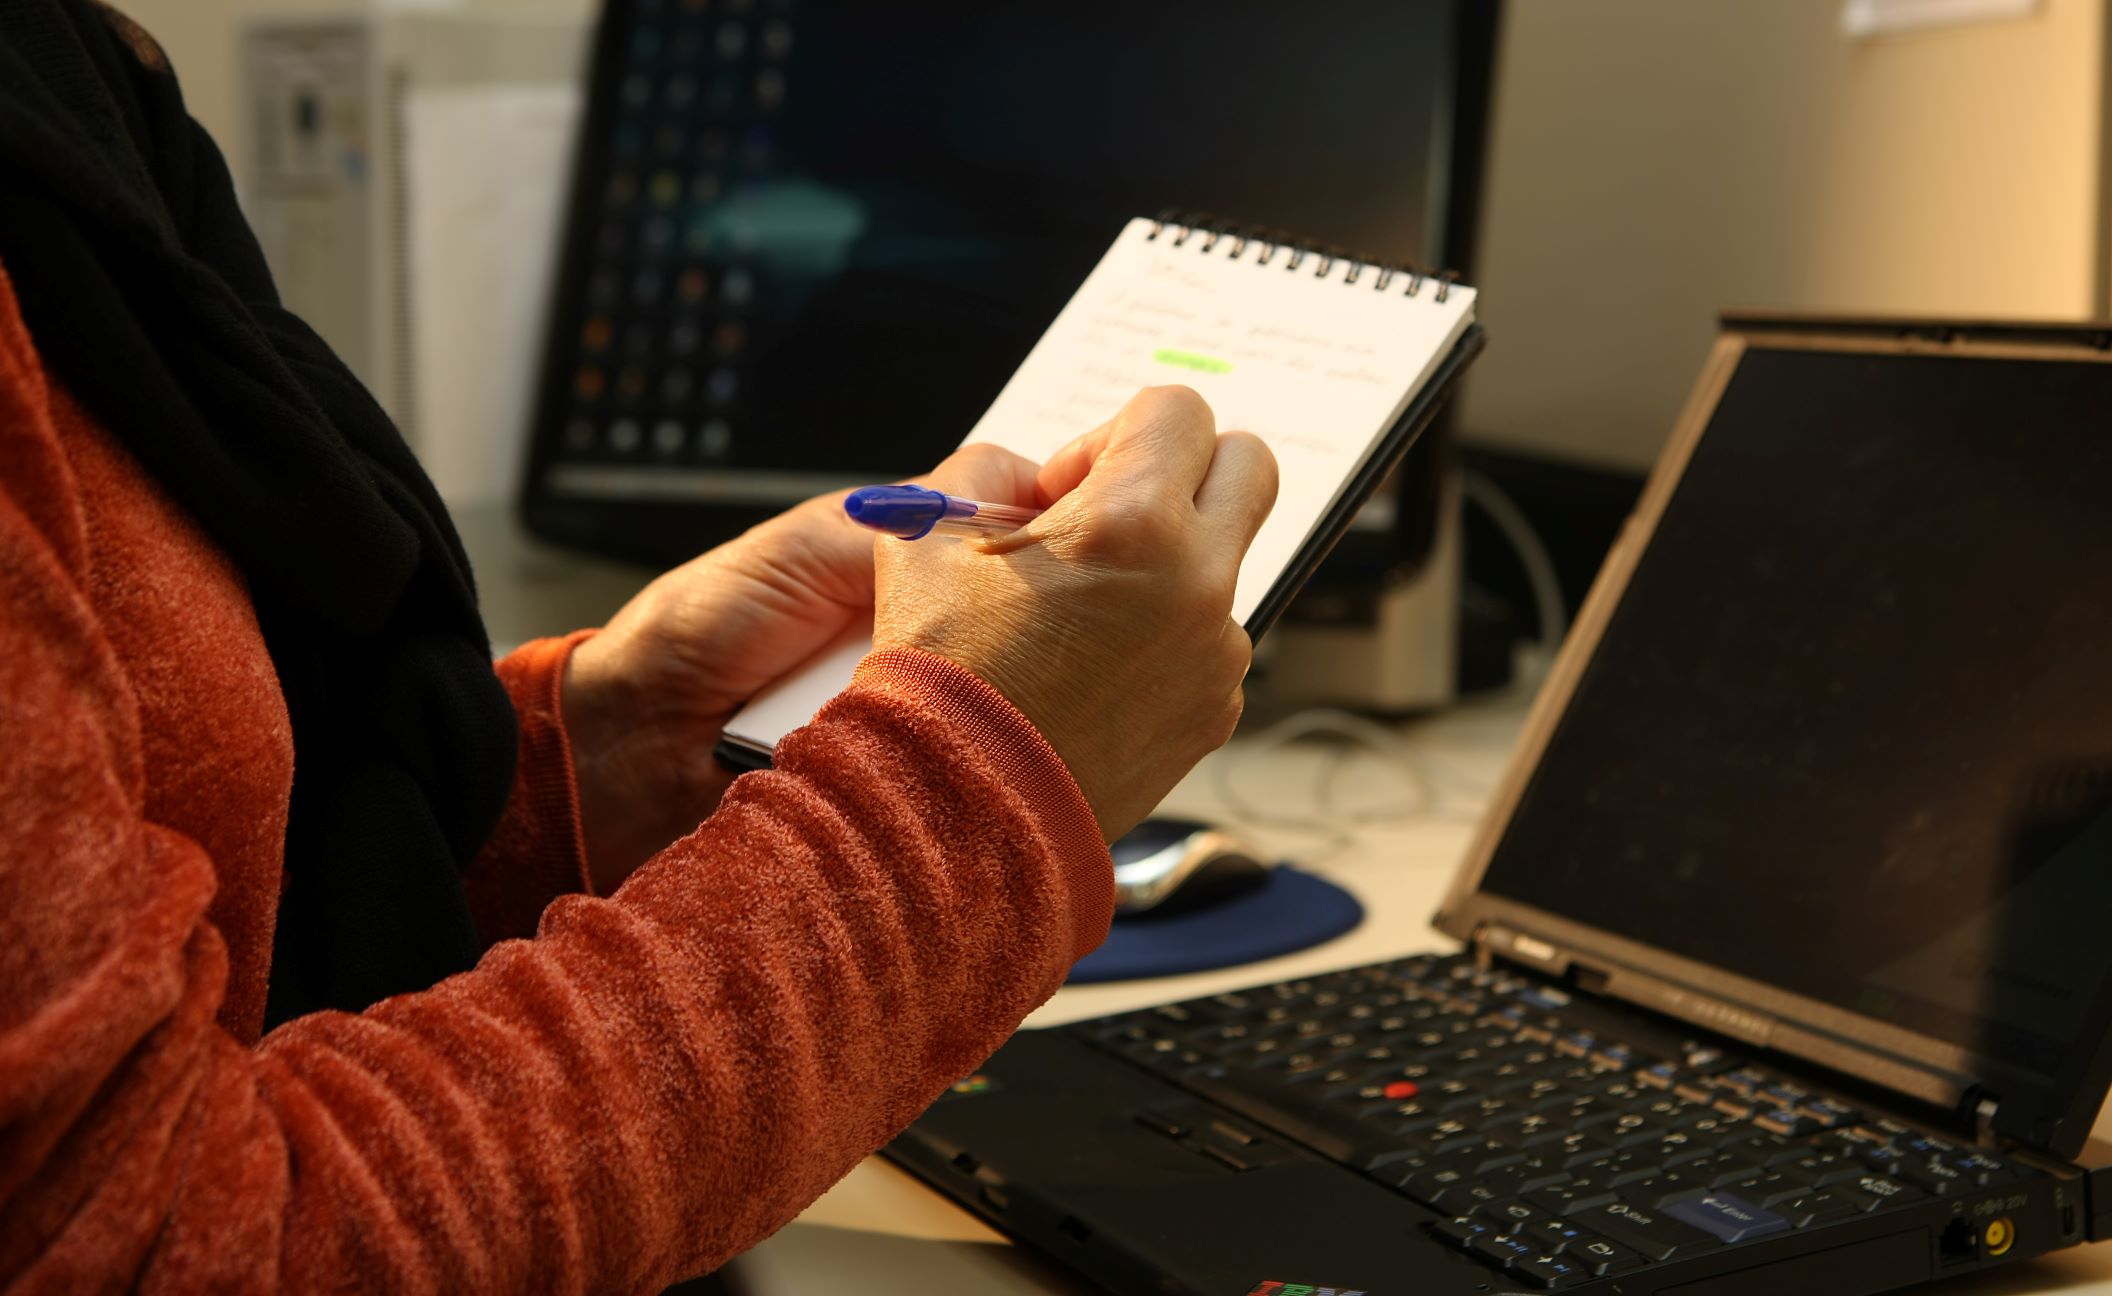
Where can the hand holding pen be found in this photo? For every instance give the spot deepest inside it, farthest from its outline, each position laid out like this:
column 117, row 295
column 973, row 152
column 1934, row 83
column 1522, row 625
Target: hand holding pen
column 1107, row 621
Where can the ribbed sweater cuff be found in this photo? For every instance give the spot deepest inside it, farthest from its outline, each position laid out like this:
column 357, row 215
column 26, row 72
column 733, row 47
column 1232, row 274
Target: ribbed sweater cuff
column 1023, row 758
column 535, row 675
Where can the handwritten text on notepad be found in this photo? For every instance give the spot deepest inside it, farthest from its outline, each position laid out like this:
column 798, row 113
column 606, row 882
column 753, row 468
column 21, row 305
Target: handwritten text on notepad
column 1318, row 367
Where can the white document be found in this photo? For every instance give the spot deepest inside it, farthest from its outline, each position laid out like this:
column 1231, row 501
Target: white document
column 1317, row 365
column 1876, row 17
column 485, row 172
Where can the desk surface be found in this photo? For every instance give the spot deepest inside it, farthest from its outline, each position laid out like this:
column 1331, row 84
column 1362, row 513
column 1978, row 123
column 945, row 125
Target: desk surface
column 1410, row 815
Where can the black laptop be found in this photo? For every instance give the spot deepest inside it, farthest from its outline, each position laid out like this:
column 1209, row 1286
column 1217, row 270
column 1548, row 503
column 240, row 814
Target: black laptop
column 1787, row 944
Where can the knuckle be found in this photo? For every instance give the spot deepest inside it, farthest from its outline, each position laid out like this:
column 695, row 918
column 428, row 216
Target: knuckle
column 1177, row 396
column 1173, row 409
column 1129, row 530
column 1257, row 453
column 1226, row 721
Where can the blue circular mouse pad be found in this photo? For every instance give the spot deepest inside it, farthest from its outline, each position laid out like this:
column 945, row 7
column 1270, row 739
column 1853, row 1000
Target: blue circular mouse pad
column 1291, row 911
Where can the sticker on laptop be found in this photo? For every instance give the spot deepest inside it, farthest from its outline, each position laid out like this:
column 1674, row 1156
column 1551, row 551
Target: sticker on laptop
column 1273, row 1287
column 970, row 1086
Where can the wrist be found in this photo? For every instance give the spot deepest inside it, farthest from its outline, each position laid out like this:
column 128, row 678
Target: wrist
column 643, row 780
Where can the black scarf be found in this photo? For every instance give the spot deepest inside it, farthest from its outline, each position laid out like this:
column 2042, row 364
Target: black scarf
column 147, row 295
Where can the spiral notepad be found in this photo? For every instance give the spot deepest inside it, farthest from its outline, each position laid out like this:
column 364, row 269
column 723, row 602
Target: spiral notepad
column 1336, row 362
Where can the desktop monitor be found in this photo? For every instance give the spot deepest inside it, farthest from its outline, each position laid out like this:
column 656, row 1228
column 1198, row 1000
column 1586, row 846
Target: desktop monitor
column 808, row 240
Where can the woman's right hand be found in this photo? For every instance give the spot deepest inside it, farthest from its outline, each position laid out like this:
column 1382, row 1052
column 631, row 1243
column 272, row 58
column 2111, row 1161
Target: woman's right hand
column 1107, row 620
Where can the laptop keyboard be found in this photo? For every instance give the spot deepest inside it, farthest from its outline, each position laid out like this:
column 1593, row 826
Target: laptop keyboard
column 1559, row 1155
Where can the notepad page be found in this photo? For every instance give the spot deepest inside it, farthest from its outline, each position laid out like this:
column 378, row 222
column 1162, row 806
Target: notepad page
column 1317, row 366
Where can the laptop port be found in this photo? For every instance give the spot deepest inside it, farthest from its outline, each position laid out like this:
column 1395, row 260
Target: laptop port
column 2001, row 1236
column 1960, row 1243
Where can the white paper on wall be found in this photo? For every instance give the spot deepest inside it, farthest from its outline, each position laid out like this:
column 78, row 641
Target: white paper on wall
column 1874, row 17
column 485, row 168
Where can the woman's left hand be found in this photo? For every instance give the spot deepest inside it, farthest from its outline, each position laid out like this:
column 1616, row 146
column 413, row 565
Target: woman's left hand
column 645, row 700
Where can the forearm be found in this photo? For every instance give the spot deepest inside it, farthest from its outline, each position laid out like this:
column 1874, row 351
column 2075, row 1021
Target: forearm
column 656, row 1081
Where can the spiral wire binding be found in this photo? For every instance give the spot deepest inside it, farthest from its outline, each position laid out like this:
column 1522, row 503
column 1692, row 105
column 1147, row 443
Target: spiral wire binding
column 1212, row 231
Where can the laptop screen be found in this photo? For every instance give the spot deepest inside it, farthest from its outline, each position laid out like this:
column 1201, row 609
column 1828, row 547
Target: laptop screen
column 1849, row 730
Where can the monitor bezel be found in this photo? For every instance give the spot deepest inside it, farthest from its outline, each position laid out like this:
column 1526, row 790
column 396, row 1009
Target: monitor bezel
column 2055, row 1116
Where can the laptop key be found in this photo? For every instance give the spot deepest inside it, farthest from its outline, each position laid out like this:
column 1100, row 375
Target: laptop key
column 1440, row 1190
column 1770, row 1188
column 1482, row 1156
column 1934, row 1177
column 1463, row 1231
column 1511, row 1216
column 1820, row 1207
column 1449, row 1137
column 1681, row 1146
column 1882, row 1190
column 1770, row 1150
column 1730, row 1218
column 1502, row 1185
column 1528, row 1131
column 1634, row 1131
column 1824, row 1169
column 1551, row 1272
column 1660, row 1189
column 1503, row 1250
column 1981, row 1170
column 1554, row 1234
column 1715, row 1169
column 1578, row 1148
column 1625, row 1166
column 1829, row 1113
column 1571, row 1199
column 1538, row 1171
column 1646, row 1231
column 1602, row 1256
column 1786, row 1122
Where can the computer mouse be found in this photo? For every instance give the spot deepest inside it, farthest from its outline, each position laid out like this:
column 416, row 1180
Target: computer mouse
column 1167, row 866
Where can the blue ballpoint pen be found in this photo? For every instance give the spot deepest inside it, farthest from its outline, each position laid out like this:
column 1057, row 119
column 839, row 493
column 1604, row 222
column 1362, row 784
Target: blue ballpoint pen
column 913, row 512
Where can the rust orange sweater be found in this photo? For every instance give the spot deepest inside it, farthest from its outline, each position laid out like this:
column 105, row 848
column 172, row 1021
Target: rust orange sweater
column 650, row 1083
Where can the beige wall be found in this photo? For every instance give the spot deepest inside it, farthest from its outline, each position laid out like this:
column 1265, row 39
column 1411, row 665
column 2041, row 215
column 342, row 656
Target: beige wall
column 1656, row 161
column 201, row 36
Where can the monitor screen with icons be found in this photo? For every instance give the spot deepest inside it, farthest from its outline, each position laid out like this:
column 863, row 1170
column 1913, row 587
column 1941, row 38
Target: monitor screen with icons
column 808, row 240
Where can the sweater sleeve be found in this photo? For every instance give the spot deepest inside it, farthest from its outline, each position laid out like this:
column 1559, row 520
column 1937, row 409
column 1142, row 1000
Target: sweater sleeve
column 653, row 1082
column 537, row 852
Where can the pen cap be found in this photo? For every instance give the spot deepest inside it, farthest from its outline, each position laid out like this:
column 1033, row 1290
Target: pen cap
column 909, row 512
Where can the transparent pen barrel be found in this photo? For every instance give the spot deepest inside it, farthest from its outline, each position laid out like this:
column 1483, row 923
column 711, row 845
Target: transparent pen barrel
column 969, row 518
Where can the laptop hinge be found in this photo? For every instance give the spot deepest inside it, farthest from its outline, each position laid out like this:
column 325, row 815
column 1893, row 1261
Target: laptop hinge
column 1984, row 1122
column 1492, row 941
column 1940, row 1089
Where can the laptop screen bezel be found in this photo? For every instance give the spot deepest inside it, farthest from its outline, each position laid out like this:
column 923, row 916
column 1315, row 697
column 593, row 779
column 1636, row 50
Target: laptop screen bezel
column 2055, row 1116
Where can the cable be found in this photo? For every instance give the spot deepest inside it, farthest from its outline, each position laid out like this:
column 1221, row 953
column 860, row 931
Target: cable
column 1540, row 574
column 1423, row 781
